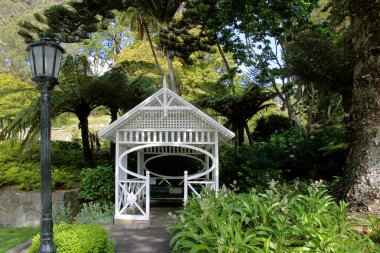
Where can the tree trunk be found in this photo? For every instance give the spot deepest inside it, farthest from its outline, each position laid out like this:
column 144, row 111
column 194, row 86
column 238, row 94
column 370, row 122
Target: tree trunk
column 362, row 175
column 292, row 115
column 250, row 140
column 113, row 111
column 228, row 69
column 240, row 136
column 87, row 152
column 173, row 86
column 309, row 126
column 153, row 51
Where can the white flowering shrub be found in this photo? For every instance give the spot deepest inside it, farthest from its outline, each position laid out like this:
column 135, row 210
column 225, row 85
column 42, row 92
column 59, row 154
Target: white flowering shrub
column 280, row 220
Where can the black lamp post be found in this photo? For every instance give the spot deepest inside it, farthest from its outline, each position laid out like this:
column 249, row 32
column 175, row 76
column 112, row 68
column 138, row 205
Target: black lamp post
column 45, row 60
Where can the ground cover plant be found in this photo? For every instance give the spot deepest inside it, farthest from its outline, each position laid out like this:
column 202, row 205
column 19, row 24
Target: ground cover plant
column 11, row 237
column 279, row 220
column 83, row 238
column 93, row 212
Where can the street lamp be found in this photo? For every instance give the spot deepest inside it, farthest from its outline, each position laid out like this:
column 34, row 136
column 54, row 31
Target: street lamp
column 45, row 60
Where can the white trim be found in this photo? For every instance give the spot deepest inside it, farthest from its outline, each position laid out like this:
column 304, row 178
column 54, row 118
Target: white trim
column 109, row 130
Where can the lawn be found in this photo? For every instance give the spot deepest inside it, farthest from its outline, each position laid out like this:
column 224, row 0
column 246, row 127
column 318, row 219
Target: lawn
column 11, row 237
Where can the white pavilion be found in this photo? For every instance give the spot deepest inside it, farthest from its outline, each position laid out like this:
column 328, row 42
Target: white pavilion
column 162, row 125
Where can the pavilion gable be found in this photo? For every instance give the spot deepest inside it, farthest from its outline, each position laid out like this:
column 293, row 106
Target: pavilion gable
column 166, row 111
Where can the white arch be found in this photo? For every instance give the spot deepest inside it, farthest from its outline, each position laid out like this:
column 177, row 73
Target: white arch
column 125, row 154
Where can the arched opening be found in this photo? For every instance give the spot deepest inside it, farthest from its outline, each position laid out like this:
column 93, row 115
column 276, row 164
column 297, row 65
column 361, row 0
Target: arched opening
column 167, row 175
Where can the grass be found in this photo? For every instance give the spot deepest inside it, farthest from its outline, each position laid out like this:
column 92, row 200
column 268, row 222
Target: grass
column 69, row 121
column 11, row 237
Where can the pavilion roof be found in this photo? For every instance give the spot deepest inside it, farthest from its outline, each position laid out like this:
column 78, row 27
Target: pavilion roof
column 166, row 111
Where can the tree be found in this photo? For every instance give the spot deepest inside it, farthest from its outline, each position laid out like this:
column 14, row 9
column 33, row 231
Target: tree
column 239, row 108
column 163, row 11
column 348, row 62
column 69, row 97
column 362, row 172
column 15, row 95
column 12, row 48
column 257, row 34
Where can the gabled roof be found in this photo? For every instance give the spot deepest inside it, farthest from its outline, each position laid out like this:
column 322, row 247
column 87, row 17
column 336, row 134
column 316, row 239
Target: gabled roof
column 164, row 101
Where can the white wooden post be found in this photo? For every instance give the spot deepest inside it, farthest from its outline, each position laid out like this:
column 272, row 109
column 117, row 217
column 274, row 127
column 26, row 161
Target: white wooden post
column 216, row 154
column 117, row 152
column 185, row 187
column 147, row 196
column 207, row 165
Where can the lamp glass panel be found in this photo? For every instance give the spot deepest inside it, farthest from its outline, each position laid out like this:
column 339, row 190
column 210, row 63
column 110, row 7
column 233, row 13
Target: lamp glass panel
column 31, row 62
column 49, row 60
column 57, row 63
column 38, row 60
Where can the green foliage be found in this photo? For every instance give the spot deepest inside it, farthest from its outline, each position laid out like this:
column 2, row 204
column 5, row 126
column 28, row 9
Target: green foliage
column 279, row 220
column 62, row 213
column 79, row 238
column 15, row 95
column 250, row 166
column 372, row 222
column 238, row 108
column 268, row 125
column 97, row 185
column 319, row 154
column 289, row 155
column 22, row 171
column 94, row 213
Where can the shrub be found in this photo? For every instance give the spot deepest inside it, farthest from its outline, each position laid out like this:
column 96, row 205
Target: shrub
column 279, row 220
column 270, row 124
column 250, row 166
column 62, row 213
column 26, row 176
column 22, row 170
column 289, row 155
column 98, row 185
column 78, row 238
column 320, row 154
column 94, row 213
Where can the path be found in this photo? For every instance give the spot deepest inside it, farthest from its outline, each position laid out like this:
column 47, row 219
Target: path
column 154, row 239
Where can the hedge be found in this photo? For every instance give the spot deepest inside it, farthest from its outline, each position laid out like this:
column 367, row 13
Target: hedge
column 78, row 238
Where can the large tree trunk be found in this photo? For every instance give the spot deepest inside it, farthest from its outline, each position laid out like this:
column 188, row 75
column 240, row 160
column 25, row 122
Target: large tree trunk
column 87, row 152
column 362, row 175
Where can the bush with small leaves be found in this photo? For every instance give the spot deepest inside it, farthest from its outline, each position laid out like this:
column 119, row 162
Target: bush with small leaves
column 98, row 185
column 78, row 238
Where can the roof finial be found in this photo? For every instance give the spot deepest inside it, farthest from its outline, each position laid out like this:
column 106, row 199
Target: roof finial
column 164, row 84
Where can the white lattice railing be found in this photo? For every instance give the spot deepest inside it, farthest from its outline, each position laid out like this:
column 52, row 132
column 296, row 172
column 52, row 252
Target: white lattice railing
column 198, row 179
column 133, row 197
column 135, row 136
